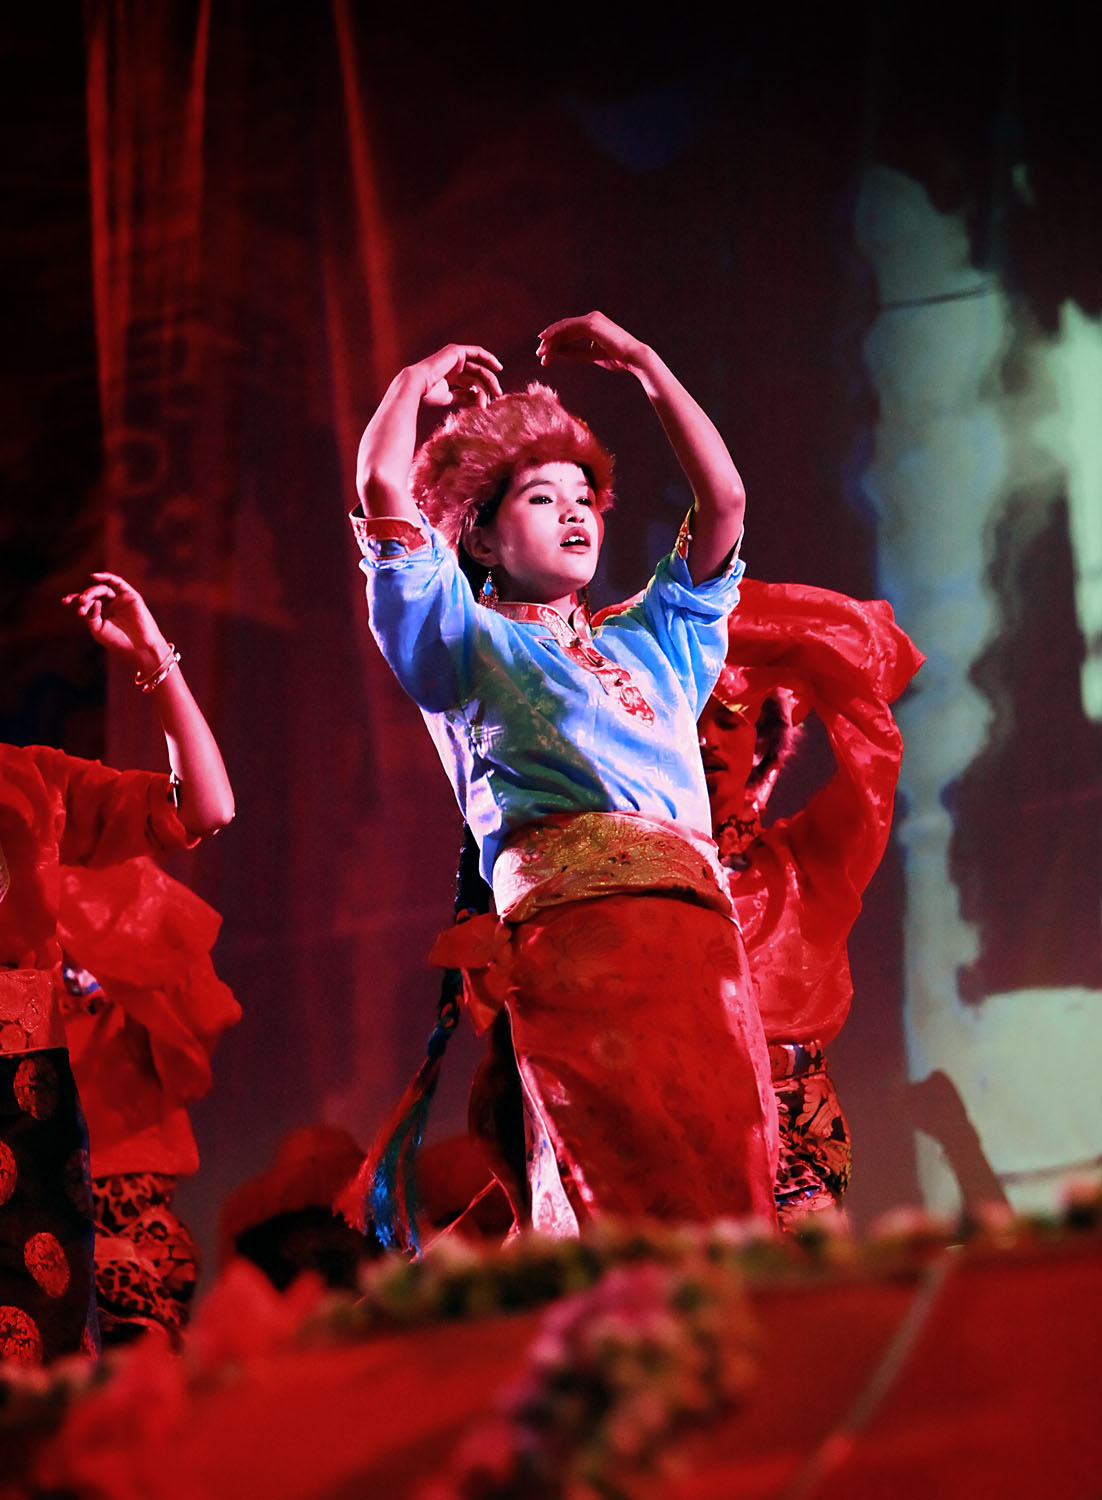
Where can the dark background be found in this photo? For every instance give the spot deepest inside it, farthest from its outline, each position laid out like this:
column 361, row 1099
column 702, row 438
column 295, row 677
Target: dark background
column 229, row 224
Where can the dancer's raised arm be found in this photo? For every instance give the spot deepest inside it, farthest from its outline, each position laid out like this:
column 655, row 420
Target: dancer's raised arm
column 119, row 618
column 720, row 498
column 457, row 375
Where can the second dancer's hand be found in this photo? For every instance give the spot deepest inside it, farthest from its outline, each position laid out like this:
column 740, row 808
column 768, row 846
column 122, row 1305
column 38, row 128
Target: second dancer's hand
column 118, row 618
column 593, row 340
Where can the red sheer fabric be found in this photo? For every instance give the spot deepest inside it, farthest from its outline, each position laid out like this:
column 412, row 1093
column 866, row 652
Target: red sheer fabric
column 142, row 1053
column 800, row 891
column 56, row 807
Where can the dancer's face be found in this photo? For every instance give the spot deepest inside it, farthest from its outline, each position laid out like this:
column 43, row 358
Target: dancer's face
column 728, row 749
column 544, row 541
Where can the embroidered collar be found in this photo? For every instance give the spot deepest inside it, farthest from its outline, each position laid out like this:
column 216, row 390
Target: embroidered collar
column 570, row 631
column 575, row 639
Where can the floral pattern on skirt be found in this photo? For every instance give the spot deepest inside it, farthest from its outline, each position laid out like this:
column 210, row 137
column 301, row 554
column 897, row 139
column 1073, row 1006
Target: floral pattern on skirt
column 147, row 1263
column 816, row 1150
column 640, row 1047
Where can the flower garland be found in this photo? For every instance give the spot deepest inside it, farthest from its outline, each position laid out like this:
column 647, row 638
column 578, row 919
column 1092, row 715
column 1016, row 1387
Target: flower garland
column 617, row 1377
column 648, row 1336
column 456, row 1280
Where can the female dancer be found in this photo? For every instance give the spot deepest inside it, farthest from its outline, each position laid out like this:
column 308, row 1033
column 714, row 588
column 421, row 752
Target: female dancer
column 573, row 757
column 56, row 809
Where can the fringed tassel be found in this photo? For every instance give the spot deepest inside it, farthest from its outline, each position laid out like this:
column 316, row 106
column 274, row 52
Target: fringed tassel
column 383, row 1194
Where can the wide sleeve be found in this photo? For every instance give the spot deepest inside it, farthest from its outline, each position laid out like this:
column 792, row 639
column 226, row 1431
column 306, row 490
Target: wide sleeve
column 109, row 816
column 795, row 930
column 148, row 939
column 689, row 621
column 421, row 609
column 847, row 660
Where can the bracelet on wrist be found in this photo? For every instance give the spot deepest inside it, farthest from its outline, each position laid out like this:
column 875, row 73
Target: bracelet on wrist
column 149, row 680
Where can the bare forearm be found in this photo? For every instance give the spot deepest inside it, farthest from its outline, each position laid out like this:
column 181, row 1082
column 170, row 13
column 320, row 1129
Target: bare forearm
column 205, row 797
column 457, row 375
column 720, row 499
column 119, row 618
column 386, row 450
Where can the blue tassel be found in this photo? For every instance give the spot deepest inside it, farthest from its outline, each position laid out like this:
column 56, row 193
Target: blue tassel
column 383, row 1194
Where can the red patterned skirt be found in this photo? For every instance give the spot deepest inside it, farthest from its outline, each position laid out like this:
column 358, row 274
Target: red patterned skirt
column 640, row 1051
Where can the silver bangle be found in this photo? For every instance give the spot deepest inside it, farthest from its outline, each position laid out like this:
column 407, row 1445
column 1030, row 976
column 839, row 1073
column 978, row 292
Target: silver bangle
column 154, row 679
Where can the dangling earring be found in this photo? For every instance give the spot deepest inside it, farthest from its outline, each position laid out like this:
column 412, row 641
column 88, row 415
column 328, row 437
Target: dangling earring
column 487, row 594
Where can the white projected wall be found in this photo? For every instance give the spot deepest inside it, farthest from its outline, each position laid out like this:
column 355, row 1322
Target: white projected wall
column 1073, row 433
column 951, row 447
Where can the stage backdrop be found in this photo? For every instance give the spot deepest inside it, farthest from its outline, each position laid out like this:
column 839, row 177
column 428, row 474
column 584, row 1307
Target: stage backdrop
column 870, row 247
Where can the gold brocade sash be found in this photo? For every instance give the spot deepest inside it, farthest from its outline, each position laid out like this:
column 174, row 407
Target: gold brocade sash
column 573, row 857
column 29, row 1016
column 576, row 856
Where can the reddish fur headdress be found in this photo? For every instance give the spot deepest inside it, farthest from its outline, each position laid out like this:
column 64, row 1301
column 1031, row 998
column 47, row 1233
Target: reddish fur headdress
column 466, row 465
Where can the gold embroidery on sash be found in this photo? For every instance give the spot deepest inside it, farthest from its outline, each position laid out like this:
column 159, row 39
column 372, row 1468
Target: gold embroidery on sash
column 575, row 857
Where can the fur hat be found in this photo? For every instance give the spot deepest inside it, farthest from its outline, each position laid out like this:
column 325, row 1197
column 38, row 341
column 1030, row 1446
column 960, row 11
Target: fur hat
column 461, row 472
